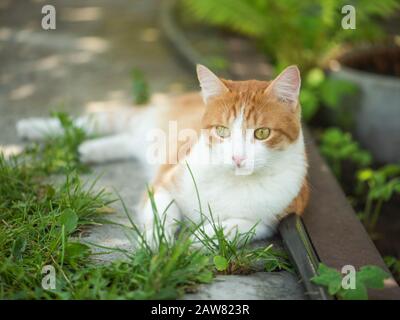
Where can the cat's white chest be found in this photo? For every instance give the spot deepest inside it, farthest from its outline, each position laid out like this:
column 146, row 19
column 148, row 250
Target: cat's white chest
column 256, row 198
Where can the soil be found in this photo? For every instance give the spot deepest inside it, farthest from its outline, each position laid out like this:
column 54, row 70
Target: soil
column 388, row 229
column 384, row 61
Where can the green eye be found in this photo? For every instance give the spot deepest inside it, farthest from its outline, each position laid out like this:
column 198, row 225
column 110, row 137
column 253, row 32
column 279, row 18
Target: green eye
column 222, row 131
column 262, row 133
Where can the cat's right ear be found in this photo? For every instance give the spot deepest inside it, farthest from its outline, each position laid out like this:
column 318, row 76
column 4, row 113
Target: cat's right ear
column 286, row 87
column 210, row 84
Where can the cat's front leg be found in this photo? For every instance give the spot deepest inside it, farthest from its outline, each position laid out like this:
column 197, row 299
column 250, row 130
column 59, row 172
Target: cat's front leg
column 235, row 226
column 112, row 148
column 167, row 214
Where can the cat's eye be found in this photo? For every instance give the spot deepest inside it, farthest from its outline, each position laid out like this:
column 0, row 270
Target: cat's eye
column 222, row 132
column 262, row 133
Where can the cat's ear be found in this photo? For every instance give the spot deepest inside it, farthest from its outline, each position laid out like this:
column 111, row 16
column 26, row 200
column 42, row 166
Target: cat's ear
column 210, row 84
column 286, row 86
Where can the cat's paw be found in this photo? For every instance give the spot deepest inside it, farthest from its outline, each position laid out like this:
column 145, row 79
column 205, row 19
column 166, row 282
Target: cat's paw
column 89, row 152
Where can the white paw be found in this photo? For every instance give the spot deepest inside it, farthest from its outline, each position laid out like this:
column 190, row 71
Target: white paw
column 89, row 152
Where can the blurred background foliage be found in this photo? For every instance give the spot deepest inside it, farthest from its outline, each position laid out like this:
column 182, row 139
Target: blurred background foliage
column 304, row 33
column 291, row 31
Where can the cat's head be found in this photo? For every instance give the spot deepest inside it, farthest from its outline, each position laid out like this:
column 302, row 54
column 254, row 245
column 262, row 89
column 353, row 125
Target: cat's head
column 251, row 124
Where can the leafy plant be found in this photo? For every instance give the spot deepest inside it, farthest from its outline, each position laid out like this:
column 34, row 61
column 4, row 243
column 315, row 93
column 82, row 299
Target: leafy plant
column 59, row 153
column 312, row 32
column 36, row 221
column 367, row 277
column 376, row 186
column 380, row 186
column 394, row 266
column 311, row 28
column 140, row 88
column 317, row 89
column 338, row 146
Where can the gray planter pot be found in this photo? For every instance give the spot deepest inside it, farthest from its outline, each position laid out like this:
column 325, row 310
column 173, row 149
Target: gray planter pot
column 376, row 111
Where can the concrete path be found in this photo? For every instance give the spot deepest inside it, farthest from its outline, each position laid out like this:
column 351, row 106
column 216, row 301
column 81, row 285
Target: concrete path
column 84, row 65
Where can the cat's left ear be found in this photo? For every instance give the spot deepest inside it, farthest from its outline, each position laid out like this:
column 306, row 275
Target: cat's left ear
column 286, row 87
column 210, row 84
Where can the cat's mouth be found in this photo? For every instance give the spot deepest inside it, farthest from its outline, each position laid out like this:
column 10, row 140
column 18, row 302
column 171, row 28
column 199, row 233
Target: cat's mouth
column 244, row 171
column 242, row 168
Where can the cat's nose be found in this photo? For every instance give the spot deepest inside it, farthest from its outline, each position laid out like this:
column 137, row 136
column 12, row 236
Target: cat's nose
column 238, row 160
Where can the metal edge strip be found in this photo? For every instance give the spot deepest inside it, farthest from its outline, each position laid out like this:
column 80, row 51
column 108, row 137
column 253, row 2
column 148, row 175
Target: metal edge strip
column 302, row 254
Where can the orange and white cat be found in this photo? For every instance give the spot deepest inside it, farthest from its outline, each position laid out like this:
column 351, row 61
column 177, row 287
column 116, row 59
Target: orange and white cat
column 242, row 141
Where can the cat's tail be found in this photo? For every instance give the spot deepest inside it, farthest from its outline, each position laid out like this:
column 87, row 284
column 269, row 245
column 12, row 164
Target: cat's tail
column 98, row 123
column 111, row 121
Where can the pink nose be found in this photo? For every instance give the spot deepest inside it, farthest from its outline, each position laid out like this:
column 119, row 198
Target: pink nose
column 238, row 160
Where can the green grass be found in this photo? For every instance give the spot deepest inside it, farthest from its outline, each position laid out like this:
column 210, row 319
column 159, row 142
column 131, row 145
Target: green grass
column 163, row 271
column 40, row 221
column 58, row 153
column 36, row 219
column 140, row 87
column 233, row 254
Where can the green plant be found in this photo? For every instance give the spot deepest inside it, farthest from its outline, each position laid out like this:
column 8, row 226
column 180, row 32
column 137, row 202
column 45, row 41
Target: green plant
column 311, row 28
column 162, row 269
column 317, row 89
column 36, row 222
column 379, row 185
column 367, row 277
column 312, row 31
column 140, row 88
column 376, row 186
column 338, row 146
column 394, row 266
column 234, row 254
column 58, row 153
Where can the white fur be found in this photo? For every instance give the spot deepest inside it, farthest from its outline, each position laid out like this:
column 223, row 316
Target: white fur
column 168, row 214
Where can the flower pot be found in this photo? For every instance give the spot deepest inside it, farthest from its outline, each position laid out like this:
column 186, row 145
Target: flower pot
column 376, row 72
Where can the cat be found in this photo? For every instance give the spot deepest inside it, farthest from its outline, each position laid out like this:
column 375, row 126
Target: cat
column 240, row 141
